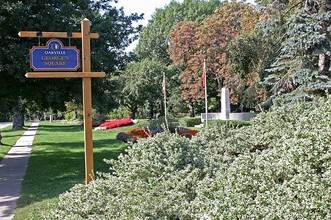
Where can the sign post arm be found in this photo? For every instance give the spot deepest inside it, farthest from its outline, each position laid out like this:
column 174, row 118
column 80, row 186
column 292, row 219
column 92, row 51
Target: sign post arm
column 45, row 34
column 87, row 101
column 65, row 74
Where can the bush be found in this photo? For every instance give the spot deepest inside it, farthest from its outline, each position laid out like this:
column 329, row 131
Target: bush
column 69, row 116
column 277, row 168
column 228, row 123
column 121, row 112
column 189, row 122
column 159, row 123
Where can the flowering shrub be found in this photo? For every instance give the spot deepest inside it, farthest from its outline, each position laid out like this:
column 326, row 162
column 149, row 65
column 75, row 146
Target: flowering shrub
column 277, row 168
column 190, row 122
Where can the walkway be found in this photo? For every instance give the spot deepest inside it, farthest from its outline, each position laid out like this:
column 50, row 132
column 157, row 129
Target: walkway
column 12, row 171
column 4, row 124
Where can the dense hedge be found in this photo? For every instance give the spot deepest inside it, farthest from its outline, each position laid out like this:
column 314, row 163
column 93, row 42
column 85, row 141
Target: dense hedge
column 277, row 168
column 228, row 123
column 189, row 122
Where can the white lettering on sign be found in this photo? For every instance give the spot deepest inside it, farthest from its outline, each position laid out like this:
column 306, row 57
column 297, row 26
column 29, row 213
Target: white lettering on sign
column 51, row 52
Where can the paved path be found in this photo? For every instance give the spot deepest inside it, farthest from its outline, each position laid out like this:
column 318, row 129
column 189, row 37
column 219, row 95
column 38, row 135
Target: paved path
column 4, row 124
column 12, row 171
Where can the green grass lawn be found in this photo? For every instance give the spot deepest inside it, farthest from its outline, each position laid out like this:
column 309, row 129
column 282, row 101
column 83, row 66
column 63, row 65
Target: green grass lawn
column 57, row 163
column 9, row 138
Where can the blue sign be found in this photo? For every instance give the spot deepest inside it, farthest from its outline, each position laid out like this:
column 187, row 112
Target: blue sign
column 54, row 57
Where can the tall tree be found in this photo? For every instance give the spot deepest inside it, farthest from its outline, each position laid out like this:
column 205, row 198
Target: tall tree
column 183, row 46
column 152, row 42
column 141, row 82
column 192, row 43
column 302, row 68
column 57, row 15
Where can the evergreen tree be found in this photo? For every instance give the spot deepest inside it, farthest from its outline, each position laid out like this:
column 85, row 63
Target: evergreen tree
column 296, row 72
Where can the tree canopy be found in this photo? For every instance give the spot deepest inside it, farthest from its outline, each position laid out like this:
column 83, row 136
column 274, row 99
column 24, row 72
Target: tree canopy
column 153, row 38
column 191, row 43
column 108, row 52
column 275, row 50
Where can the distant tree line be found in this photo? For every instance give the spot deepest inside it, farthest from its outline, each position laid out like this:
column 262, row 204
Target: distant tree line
column 272, row 52
column 268, row 53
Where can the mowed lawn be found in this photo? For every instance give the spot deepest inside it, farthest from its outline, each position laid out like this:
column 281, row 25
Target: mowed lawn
column 9, row 138
column 57, row 163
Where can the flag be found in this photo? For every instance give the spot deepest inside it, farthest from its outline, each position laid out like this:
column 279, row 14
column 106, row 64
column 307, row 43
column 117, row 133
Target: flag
column 164, row 90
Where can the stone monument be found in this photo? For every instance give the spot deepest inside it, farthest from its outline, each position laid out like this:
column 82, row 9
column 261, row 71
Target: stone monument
column 225, row 104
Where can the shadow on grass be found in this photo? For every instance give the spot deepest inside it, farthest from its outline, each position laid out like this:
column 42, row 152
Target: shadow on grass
column 61, row 128
column 80, row 144
column 11, row 130
column 57, row 161
column 8, row 136
column 56, row 172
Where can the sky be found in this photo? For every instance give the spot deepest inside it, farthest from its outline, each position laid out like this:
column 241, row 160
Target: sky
column 144, row 6
column 147, row 7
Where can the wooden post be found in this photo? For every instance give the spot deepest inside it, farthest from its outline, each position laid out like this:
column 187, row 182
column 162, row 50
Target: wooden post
column 86, row 76
column 87, row 100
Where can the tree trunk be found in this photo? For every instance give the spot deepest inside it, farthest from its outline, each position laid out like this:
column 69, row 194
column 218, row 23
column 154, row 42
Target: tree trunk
column 133, row 114
column 18, row 120
column 151, row 109
column 219, row 94
column 324, row 59
column 323, row 63
column 218, row 105
column 191, row 108
column 18, row 117
column 133, row 110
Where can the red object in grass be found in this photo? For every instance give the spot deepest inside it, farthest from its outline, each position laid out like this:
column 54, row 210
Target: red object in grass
column 116, row 123
column 138, row 133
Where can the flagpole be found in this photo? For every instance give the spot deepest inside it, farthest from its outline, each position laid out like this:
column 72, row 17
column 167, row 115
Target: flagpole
column 206, row 100
column 165, row 100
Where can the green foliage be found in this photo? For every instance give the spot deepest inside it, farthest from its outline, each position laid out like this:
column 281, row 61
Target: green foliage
column 228, row 123
column 295, row 74
column 4, row 117
column 108, row 52
column 69, row 116
column 279, row 167
column 189, row 121
column 152, row 42
column 174, row 101
column 121, row 112
column 141, row 82
column 248, row 55
column 74, row 110
column 160, row 123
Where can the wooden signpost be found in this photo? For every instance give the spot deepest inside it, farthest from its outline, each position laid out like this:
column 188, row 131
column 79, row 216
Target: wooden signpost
column 57, row 60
